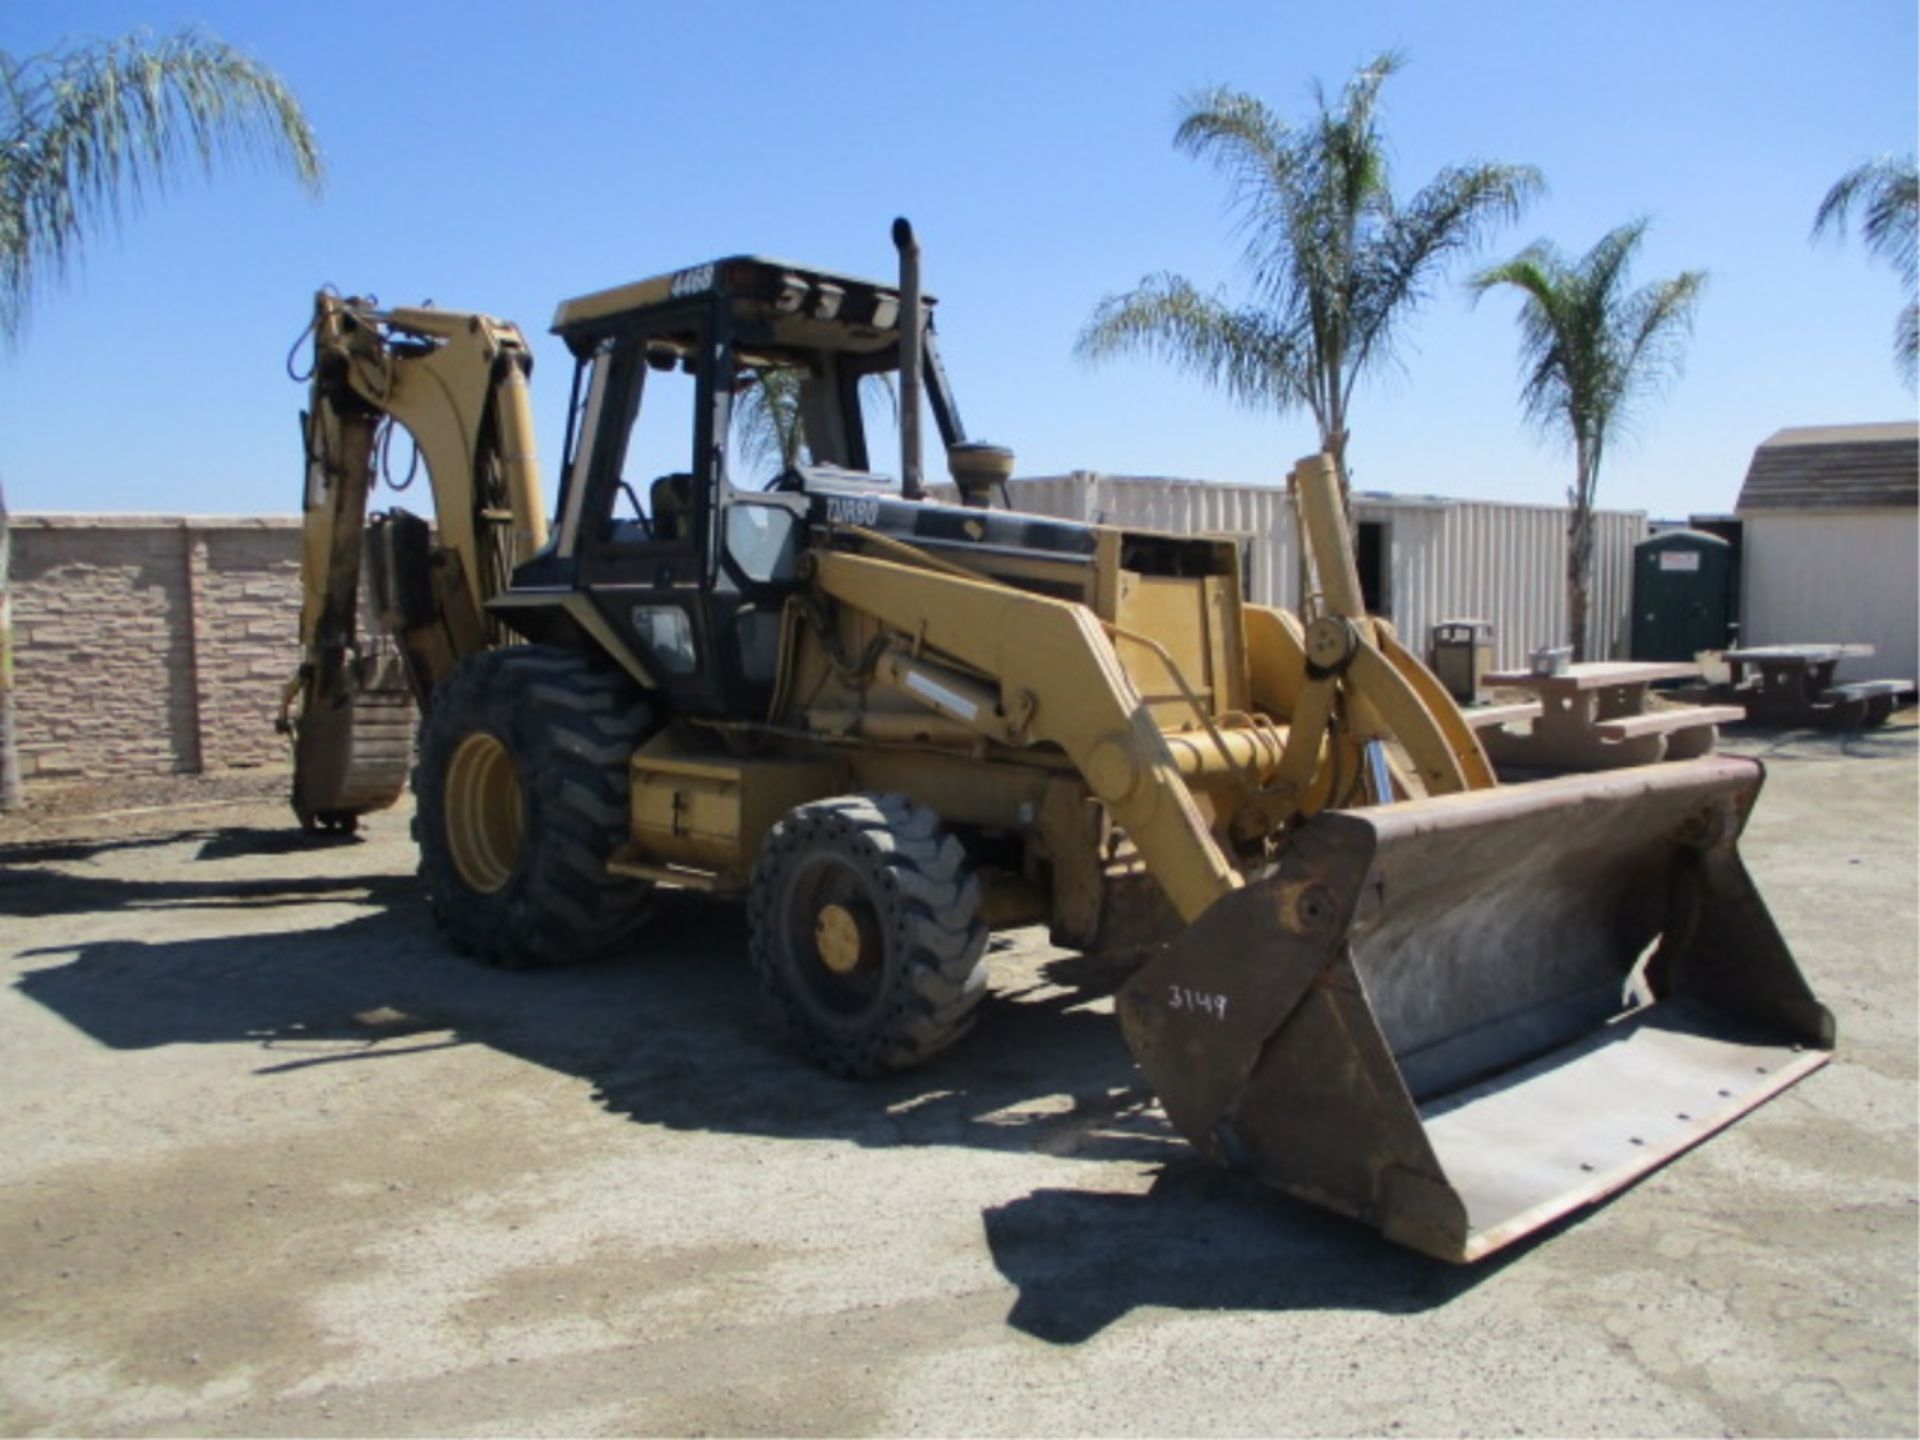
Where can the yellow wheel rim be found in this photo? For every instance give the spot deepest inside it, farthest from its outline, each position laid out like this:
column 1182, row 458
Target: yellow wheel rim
column 484, row 810
column 836, row 935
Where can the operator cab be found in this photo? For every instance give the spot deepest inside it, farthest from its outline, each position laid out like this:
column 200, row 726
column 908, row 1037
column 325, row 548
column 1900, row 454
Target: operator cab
column 678, row 543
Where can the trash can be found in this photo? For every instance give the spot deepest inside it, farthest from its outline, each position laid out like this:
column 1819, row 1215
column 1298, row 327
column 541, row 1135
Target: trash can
column 1459, row 652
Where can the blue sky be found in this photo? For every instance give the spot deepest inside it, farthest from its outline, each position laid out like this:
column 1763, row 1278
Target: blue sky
column 501, row 157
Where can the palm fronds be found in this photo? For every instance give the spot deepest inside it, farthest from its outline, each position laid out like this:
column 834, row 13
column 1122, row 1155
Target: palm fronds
column 766, row 420
column 769, row 425
column 1335, row 263
column 1244, row 352
column 87, row 133
column 1888, row 192
column 1590, row 347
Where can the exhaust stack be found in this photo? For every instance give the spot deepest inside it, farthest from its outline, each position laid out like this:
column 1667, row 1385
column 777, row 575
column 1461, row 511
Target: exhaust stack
column 911, row 321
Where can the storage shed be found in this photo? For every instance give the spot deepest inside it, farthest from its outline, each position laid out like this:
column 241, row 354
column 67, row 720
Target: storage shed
column 1831, row 539
column 1423, row 558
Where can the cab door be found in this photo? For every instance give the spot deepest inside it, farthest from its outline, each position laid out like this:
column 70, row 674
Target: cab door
column 645, row 523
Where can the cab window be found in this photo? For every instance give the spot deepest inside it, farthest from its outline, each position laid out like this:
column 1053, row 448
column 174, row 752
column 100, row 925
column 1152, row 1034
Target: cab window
column 649, row 497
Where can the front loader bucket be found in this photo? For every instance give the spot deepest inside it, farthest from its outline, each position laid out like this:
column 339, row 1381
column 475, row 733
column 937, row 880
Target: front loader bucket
column 1435, row 1016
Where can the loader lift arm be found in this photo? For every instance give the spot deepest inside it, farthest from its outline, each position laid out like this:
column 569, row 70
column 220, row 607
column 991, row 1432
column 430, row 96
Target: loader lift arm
column 1058, row 680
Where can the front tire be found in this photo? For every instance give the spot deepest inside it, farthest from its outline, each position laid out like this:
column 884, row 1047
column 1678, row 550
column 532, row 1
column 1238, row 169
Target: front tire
column 866, row 933
column 521, row 793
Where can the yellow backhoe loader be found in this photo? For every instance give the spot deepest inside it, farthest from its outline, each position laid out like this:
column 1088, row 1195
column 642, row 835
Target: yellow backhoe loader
column 1378, row 980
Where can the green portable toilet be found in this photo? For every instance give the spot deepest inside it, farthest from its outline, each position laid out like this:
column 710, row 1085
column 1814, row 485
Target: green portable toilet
column 1683, row 599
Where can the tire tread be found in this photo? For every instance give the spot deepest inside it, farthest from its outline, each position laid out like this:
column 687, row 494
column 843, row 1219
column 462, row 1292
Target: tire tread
column 931, row 999
column 573, row 726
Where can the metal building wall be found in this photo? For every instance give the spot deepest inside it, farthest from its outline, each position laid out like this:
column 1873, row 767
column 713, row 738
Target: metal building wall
column 1506, row 564
column 1449, row 559
column 1852, row 577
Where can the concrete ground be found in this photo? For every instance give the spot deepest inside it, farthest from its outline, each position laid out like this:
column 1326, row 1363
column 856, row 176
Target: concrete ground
column 273, row 1162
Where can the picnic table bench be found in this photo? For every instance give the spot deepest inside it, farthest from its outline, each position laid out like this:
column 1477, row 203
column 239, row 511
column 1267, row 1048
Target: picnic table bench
column 1484, row 717
column 1793, row 685
column 1594, row 716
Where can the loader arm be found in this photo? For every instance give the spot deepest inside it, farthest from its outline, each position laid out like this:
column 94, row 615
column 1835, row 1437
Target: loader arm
column 1347, row 684
column 456, row 383
column 1058, row 682
column 1387, row 693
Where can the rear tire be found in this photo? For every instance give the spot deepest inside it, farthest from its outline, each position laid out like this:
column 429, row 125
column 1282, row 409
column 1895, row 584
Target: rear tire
column 866, row 933
column 521, row 793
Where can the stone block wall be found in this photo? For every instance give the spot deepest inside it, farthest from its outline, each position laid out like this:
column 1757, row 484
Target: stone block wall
column 151, row 645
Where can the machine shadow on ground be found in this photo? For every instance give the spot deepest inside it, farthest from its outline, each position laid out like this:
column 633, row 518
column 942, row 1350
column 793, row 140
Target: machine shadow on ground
column 674, row 1035
column 1204, row 1239
column 653, row 1032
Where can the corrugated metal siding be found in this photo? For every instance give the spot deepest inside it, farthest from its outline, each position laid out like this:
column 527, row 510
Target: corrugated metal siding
column 1068, row 497
column 1506, row 564
column 1450, row 559
column 1854, row 578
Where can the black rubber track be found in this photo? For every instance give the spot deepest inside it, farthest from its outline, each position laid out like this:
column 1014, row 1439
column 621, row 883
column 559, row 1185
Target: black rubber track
column 571, row 726
column 894, row 858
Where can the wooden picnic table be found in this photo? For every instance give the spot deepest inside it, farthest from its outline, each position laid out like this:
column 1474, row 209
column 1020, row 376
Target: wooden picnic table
column 1594, row 716
column 1610, row 675
column 1807, row 668
column 1793, row 685
column 1814, row 659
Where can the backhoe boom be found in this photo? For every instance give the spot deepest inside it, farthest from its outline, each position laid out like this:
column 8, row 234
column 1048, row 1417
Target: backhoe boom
column 457, row 384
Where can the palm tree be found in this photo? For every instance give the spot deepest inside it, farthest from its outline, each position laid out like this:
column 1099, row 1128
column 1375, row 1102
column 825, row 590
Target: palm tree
column 1589, row 349
column 1889, row 193
column 1336, row 262
column 86, row 132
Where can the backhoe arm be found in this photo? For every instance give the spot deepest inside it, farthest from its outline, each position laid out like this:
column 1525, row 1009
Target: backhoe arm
column 457, row 383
